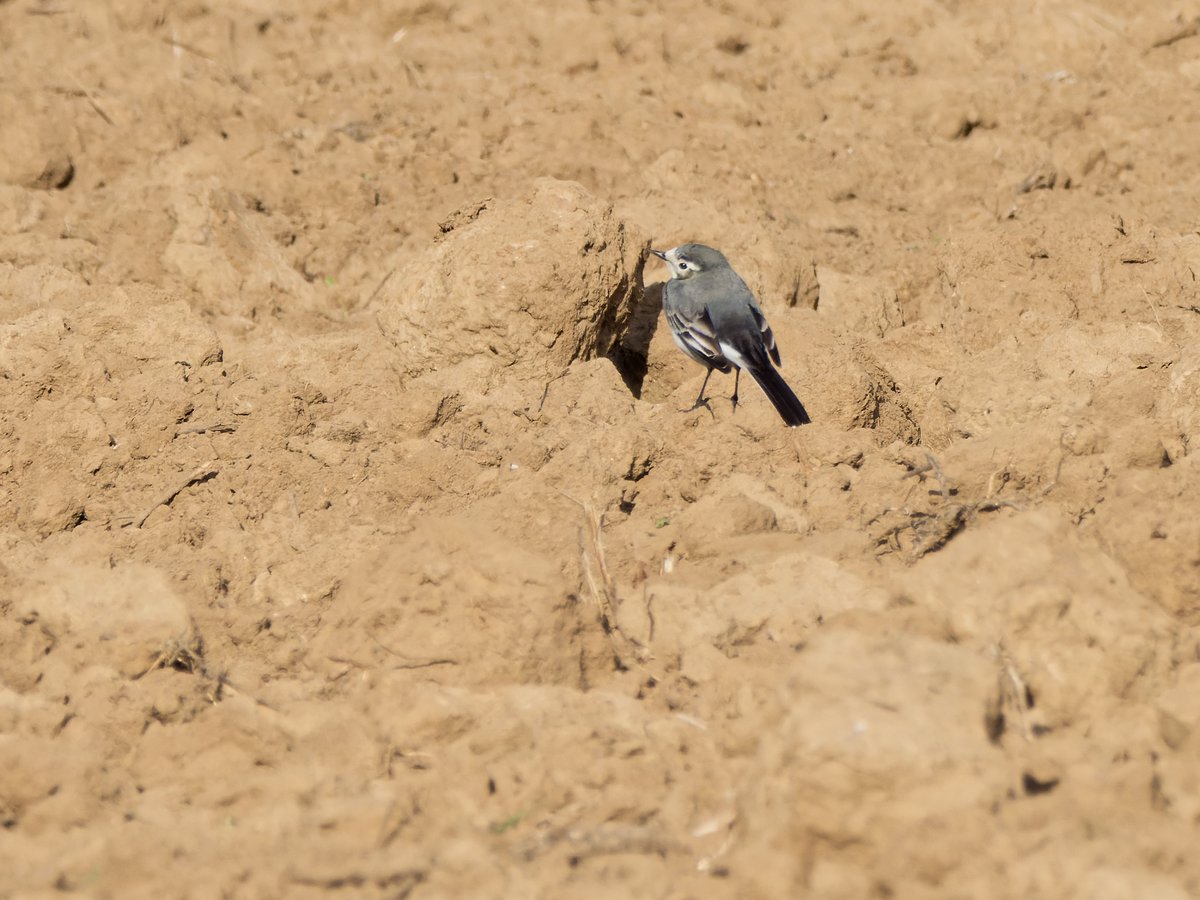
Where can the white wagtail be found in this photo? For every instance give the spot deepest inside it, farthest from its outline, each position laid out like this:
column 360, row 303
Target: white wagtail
column 716, row 321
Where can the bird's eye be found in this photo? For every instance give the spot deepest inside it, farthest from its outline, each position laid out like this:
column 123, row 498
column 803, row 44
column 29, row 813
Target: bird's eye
column 683, row 265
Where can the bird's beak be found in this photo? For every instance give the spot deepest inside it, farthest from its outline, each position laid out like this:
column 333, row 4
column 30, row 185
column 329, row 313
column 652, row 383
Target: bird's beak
column 660, row 254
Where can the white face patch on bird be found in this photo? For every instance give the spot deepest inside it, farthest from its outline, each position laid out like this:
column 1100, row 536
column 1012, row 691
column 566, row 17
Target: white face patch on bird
column 681, row 266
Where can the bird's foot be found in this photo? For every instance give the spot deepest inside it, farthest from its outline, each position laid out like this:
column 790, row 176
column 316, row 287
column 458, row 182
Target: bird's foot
column 703, row 401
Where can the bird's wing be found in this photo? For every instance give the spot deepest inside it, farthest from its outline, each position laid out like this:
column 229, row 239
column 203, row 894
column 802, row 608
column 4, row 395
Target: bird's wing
column 697, row 334
column 768, row 337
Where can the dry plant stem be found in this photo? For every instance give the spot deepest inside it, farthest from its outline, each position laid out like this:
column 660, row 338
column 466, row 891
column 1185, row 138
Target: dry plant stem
column 705, row 863
column 197, row 474
column 231, row 72
column 171, row 42
column 945, row 524
column 1053, row 482
column 414, row 76
column 603, row 591
column 934, row 529
column 87, row 95
column 173, row 653
column 1153, row 308
column 1019, row 694
column 380, row 286
column 546, row 392
column 938, row 473
column 603, row 594
column 1190, row 30
column 931, row 465
column 200, row 429
column 410, row 663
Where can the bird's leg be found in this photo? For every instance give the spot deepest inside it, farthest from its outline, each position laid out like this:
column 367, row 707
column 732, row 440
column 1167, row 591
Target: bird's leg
column 700, row 401
column 736, row 377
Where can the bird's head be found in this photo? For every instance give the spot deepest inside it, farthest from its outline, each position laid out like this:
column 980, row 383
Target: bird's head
column 687, row 260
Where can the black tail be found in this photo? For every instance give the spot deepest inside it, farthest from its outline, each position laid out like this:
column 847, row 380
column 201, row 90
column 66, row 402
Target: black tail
column 781, row 396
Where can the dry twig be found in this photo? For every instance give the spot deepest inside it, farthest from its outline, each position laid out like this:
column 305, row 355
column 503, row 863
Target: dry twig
column 200, row 473
column 89, row 96
column 1019, row 696
column 175, row 654
column 603, row 590
column 932, row 529
column 1191, row 29
column 386, row 279
column 237, row 79
column 1011, row 694
column 200, row 429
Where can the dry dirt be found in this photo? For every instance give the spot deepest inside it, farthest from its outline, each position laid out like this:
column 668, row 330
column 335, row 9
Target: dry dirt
column 355, row 543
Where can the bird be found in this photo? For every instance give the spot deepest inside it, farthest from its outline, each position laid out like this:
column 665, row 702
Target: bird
column 716, row 321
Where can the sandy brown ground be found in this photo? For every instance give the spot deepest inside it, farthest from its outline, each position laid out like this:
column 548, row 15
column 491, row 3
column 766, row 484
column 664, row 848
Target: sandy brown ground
column 354, row 543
